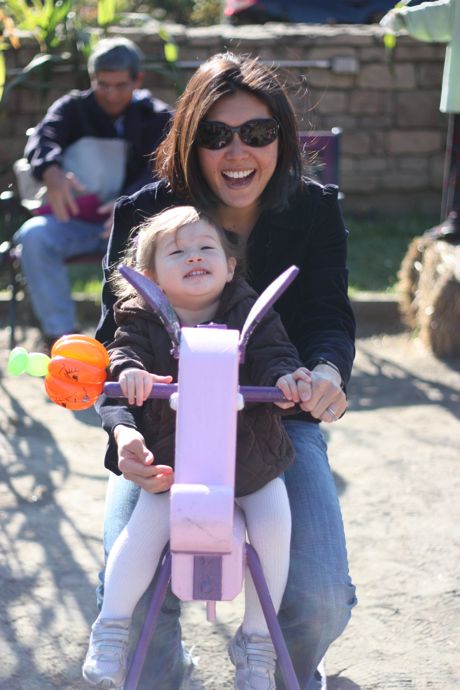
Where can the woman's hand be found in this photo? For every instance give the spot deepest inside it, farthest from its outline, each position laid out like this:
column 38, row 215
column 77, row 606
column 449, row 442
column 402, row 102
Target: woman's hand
column 135, row 462
column 296, row 387
column 136, row 384
column 327, row 402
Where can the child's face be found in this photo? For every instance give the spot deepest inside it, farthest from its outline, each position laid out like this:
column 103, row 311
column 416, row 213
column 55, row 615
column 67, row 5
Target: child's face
column 191, row 266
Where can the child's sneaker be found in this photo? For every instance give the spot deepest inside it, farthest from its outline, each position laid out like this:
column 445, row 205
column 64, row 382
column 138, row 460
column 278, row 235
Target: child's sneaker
column 255, row 659
column 107, row 658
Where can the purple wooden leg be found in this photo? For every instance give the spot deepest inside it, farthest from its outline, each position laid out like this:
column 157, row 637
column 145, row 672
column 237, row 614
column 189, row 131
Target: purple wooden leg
column 284, row 660
column 135, row 669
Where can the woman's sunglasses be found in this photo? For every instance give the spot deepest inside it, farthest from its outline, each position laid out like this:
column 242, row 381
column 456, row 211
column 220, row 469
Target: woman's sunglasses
column 216, row 135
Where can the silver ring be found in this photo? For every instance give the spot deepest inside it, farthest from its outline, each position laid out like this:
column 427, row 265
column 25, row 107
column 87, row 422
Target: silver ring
column 332, row 413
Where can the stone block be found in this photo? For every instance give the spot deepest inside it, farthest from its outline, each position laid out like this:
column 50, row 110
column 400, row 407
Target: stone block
column 366, row 101
column 331, row 102
column 372, row 54
column 413, row 141
column 356, row 182
column 417, row 109
column 411, row 164
column 380, row 122
column 382, row 77
column 356, row 143
column 429, row 75
column 372, row 165
column 406, row 181
column 347, row 165
column 410, row 50
column 347, row 122
column 325, row 79
column 436, row 170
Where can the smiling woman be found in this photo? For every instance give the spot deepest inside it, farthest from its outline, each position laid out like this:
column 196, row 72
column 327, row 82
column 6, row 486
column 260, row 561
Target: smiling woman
column 232, row 153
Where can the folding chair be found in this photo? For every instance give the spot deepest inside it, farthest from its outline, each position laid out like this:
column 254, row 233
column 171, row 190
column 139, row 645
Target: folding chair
column 10, row 260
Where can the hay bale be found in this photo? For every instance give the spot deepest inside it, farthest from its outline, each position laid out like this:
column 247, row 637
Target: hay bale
column 408, row 279
column 438, row 299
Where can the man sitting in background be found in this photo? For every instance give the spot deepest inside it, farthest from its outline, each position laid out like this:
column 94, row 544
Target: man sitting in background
column 91, row 147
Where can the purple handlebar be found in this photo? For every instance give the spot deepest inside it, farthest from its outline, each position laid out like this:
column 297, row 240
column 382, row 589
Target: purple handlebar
column 165, row 390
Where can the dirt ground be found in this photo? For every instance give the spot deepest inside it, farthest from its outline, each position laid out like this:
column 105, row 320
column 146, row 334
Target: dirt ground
column 395, row 458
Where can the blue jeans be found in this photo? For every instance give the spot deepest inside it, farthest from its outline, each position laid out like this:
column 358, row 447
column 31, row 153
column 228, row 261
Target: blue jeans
column 46, row 243
column 319, row 594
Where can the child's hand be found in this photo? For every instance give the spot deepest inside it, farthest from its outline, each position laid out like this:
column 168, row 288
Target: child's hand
column 296, row 387
column 162, row 479
column 136, row 384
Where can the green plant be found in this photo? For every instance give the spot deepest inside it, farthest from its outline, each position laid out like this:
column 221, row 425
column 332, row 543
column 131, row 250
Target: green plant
column 54, row 26
column 60, row 28
column 206, row 12
column 45, row 19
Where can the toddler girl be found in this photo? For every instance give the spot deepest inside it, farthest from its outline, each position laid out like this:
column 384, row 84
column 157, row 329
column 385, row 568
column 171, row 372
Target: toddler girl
column 194, row 263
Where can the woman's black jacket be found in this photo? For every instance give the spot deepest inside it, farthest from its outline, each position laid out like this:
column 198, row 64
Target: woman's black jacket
column 309, row 233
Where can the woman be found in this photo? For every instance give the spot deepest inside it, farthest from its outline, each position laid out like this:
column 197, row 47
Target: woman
column 232, row 151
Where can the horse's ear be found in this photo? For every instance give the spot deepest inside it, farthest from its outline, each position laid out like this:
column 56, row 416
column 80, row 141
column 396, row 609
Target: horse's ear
column 263, row 304
column 158, row 302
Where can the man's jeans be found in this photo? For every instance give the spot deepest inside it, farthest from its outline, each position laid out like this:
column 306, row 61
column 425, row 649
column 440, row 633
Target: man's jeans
column 46, row 244
column 319, row 594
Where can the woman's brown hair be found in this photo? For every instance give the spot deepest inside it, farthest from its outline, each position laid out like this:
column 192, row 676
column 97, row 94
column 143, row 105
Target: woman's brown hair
column 225, row 74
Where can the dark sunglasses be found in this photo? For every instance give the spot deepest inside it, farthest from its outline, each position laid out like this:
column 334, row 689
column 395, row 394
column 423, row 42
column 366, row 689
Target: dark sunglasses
column 216, row 135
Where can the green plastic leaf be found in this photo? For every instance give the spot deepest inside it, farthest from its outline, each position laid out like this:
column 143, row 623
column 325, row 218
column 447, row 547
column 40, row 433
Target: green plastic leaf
column 163, row 34
column 105, row 11
column 389, row 41
column 171, row 52
column 17, row 361
column 37, row 364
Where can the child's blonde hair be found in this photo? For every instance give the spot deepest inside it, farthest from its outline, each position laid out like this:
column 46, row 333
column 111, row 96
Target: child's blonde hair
column 143, row 243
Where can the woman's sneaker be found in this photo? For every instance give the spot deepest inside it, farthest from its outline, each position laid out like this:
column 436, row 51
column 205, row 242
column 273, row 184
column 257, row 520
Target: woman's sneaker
column 107, row 658
column 255, row 659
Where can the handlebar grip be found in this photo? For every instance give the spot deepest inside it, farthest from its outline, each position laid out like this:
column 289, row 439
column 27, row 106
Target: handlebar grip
column 159, row 390
column 261, row 393
column 164, row 391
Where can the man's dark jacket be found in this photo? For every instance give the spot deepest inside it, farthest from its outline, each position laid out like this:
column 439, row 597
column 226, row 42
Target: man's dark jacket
column 263, row 447
column 77, row 115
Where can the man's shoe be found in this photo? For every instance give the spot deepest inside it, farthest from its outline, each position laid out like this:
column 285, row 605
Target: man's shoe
column 254, row 657
column 107, row 658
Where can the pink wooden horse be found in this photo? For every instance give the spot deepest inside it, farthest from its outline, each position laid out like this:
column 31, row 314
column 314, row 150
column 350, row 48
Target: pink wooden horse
column 208, row 553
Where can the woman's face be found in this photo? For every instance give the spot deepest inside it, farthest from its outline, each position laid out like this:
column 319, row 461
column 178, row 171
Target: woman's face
column 238, row 173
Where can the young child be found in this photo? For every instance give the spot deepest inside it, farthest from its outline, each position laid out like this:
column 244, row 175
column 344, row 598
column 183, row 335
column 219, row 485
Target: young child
column 194, row 263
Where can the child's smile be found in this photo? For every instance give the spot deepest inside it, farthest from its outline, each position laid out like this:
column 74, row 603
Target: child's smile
column 191, row 268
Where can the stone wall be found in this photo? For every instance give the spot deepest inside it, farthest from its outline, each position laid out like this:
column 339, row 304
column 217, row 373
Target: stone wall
column 393, row 141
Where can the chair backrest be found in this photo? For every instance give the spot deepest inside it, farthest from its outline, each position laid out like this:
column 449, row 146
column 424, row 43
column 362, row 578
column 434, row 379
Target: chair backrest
column 321, row 154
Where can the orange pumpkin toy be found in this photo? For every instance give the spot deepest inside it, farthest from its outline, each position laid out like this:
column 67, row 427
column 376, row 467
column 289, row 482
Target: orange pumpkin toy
column 76, row 372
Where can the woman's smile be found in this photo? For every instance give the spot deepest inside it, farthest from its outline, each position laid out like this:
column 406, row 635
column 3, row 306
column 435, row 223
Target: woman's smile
column 238, row 178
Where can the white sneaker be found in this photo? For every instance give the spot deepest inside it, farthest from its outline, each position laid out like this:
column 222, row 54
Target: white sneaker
column 107, row 658
column 255, row 659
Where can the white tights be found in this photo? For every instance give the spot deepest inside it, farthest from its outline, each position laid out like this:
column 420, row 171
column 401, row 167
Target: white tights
column 135, row 555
